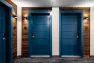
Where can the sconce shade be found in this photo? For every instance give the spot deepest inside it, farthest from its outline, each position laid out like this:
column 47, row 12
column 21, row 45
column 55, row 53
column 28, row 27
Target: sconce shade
column 14, row 16
column 24, row 18
column 86, row 18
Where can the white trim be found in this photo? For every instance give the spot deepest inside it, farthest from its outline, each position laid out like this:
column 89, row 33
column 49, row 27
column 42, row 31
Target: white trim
column 55, row 30
column 19, row 30
column 92, row 31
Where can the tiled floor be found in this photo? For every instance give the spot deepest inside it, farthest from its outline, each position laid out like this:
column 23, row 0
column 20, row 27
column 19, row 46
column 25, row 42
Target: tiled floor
column 53, row 60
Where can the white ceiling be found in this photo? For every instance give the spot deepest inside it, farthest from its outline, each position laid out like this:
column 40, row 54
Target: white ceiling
column 56, row 3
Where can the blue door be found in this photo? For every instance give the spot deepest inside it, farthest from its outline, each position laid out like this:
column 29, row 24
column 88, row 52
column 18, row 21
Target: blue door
column 2, row 38
column 70, row 44
column 39, row 34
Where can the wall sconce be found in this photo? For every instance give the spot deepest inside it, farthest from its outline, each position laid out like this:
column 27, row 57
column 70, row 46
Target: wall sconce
column 86, row 23
column 25, row 28
column 14, row 27
column 86, row 18
column 24, row 18
column 14, row 16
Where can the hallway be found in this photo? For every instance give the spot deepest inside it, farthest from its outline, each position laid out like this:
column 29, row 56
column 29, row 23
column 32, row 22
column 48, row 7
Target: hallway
column 46, row 31
column 53, row 60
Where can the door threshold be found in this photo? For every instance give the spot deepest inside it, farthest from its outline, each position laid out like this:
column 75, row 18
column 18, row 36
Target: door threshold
column 70, row 56
column 66, row 57
column 40, row 56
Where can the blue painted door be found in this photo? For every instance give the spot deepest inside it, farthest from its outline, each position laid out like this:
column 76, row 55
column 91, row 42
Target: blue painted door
column 39, row 34
column 70, row 34
column 2, row 38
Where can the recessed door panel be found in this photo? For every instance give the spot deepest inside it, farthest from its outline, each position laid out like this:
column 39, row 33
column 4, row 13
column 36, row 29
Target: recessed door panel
column 39, row 34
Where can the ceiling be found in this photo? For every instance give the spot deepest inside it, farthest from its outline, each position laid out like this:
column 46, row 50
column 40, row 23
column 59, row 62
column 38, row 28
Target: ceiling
column 54, row 3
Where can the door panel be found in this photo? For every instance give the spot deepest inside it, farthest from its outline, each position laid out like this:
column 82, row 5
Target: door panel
column 70, row 44
column 40, row 27
column 2, row 34
column 39, row 34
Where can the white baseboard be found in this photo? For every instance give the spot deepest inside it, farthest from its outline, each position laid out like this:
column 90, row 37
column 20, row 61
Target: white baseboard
column 40, row 56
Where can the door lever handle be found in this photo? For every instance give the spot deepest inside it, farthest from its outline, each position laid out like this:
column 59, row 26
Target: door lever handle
column 4, row 38
column 77, row 36
column 33, row 36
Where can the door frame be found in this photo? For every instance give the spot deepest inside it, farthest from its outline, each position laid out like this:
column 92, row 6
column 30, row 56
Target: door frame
column 32, row 11
column 8, row 31
column 82, row 41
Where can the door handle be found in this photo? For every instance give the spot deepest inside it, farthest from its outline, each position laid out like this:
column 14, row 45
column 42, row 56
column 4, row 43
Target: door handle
column 4, row 36
column 77, row 36
column 33, row 35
